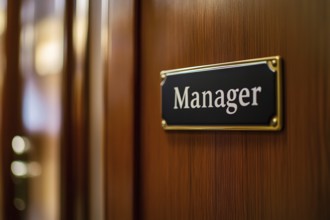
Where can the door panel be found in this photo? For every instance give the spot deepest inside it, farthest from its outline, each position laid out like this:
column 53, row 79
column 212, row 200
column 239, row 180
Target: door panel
column 237, row 175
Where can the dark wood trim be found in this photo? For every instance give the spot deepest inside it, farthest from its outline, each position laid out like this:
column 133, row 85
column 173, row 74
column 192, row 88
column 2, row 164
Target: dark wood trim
column 67, row 198
column 11, row 107
column 137, row 119
column 75, row 127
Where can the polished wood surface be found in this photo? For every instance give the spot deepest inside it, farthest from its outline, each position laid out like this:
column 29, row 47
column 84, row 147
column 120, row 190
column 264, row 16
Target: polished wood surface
column 2, row 70
column 75, row 123
column 11, row 121
column 237, row 175
column 119, row 112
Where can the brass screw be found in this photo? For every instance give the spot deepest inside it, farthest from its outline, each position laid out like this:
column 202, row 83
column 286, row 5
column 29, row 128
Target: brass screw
column 274, row 122
column 163, row 123
column 274, row 62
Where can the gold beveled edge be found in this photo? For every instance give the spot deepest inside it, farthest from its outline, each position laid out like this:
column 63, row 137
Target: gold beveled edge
column 164, row 73
column 221, row 128
column 276, row 123
column 279, row 94
column 272, row 127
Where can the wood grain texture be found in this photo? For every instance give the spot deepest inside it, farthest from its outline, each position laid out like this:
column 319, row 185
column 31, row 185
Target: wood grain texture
column 11, row 121
column 238, row 175
column 119, row 112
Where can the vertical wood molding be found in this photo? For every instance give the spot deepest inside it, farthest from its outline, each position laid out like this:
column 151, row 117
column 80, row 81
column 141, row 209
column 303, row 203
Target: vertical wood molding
column 98, row 60
column 75, row 124
column 67, row 197
column 2, row 73
column 11, row 123
column 120, row 111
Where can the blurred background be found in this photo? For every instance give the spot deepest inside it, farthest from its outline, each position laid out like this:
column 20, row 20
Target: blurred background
column 47, row 51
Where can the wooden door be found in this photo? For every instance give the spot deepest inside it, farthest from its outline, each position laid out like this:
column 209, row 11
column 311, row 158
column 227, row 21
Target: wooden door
column 157, row 174
column 226, row 174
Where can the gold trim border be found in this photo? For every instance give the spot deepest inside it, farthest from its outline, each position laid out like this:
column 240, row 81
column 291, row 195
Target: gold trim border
column 275, row 65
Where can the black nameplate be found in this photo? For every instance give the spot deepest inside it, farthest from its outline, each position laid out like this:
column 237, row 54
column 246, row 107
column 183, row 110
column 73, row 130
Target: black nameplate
column 243, row 95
